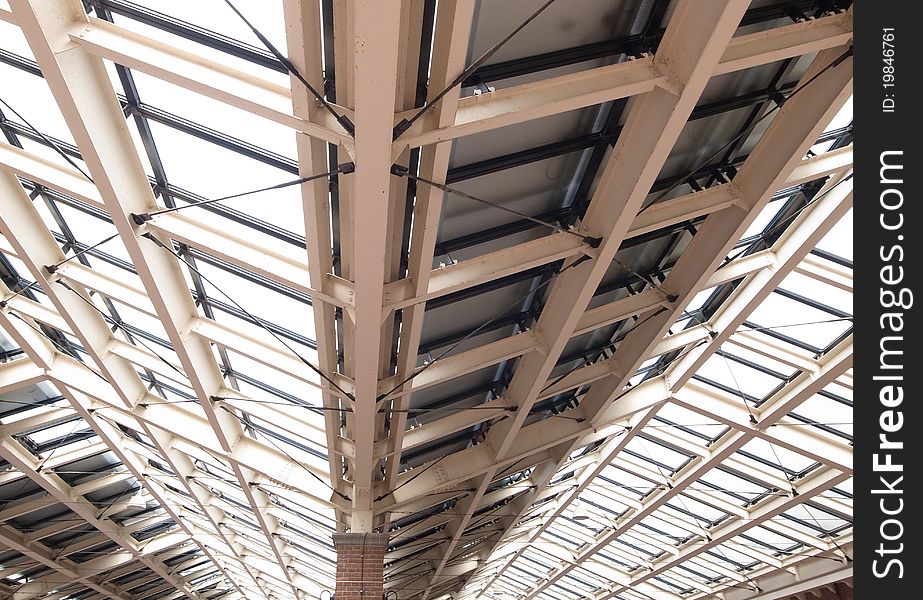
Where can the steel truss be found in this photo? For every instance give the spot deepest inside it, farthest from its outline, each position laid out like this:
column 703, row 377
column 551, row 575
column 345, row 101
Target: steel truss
column 241, row 491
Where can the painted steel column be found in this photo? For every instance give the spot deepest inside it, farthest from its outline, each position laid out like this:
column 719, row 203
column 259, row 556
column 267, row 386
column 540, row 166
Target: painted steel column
column 303, row 32
column 374, row 40
column 360, row 565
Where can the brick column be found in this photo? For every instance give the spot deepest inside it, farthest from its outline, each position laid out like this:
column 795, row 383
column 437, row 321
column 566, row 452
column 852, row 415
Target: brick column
column 360, row 565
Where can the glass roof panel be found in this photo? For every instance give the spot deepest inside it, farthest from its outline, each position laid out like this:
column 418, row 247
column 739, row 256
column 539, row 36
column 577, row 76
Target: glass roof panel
column 798, row 320
column 839, row 240
column 201, row 148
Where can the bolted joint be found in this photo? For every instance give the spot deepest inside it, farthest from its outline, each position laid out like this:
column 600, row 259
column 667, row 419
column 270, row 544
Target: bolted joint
column 141, row 219
column 400, row 128
column 399, row 170
column 344, row 121
column 777, row 97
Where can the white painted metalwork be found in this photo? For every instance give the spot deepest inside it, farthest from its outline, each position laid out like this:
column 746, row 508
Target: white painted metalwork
column 163, row 436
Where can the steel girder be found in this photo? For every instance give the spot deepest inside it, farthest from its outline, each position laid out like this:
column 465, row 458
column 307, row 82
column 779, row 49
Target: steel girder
column 827, row 106
column 371, row 275
column 104, row 143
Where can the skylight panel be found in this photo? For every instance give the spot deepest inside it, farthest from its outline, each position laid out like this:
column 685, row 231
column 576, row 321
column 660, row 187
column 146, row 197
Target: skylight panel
column 667, row 529
column 838, row 240
column 145, row 159
column 843, row 118
column 528, row 570
column 217, row 16
column 671, row 582
column 805, row 526
column 690, row 513
column 697, row 569
column 29, row 96
column 578, row 584
column 562, row 536
column 658, row 454
column 213, row 172
column 777, row 455
column 736, row 376
column 723, row 480
column 202, row 50
column 761, row 538
column 697, row 302
column 141, row 321
column 818, row 517
column 229, row 290
column 539, row 556
column 604, row 498
column 634, row 485
column 314, row 446
column 16, row 407
column 798, row 320
column 49, row 154
column 826, row 412
column 169, row 100
column 178, row 394
column 631, row 595
column 277, row 379
column 730, row 556
column 283, row 403
column 43, row 207
column 762, row 359
column 61, row 431
column 595, row 573
column 763, row 219
column 673, row 418
column 626, row 548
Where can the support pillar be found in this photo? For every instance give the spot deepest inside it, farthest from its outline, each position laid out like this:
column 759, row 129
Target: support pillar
column 360, row 565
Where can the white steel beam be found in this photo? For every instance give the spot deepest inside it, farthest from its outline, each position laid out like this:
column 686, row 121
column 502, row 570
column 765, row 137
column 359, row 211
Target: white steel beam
column 373, row 41
column 834, row 201
column 19, row 457
column 814, row 484
column 780, row 149
column 798, row 39
column 695, row 38
column 832, row 367
column 303, row 36
column 20, row 222
column 11, row 538
column 86, row 98
column 281, row 265
column 524, row 102
column 200, row 74
column 452, row 29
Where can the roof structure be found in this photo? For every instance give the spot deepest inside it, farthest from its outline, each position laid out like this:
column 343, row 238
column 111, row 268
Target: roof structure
column 569, row 318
